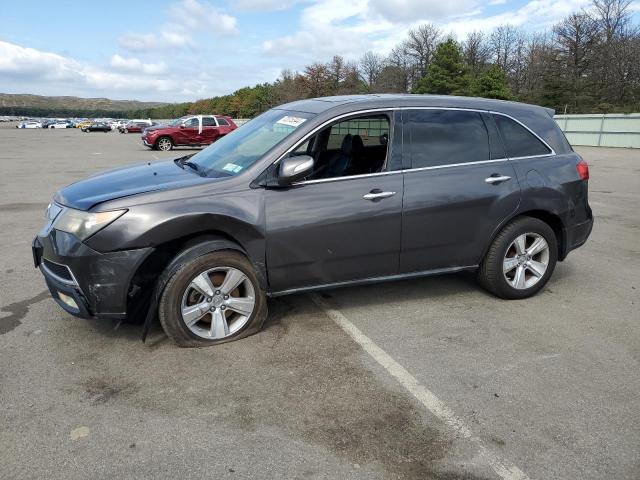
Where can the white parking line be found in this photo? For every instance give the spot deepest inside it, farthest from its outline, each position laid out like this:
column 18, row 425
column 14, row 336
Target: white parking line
column 501, row 466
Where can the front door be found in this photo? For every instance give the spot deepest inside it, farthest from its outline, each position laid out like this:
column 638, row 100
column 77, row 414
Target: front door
column 343, row 223
column 459, row 187
column 189, row 132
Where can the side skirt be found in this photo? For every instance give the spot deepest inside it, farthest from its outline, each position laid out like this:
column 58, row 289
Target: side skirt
column 366, row 281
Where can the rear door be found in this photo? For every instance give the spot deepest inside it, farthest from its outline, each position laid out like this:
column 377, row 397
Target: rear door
column 210, row 130
column 459, row 187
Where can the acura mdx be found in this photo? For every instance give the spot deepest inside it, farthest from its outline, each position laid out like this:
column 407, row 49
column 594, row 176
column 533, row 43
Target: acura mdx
column 318, row 194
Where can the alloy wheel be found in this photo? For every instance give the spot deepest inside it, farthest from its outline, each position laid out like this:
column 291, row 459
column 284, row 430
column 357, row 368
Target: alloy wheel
column 164, row 144
column 218, row 303
column 526, row 261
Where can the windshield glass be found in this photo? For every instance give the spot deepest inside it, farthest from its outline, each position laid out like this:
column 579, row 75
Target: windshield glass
column 240, row 149
column 176, row 122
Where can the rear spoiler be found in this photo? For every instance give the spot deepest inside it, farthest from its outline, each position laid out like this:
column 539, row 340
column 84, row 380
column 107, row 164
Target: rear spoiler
column 550, row 111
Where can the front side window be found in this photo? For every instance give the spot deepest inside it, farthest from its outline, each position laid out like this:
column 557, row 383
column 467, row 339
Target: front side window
column 191, row 123
column 240, row 149
column 447, row 137
column 518, row 141
column 356, row 146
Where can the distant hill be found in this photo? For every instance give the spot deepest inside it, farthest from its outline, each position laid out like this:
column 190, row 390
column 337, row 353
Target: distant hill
column 26, row 104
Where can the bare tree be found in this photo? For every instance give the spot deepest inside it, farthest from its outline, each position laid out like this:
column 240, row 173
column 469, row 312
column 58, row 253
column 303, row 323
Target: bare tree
column 402, row 61
column 370, row 66
column 476, row 52
column 420, row 45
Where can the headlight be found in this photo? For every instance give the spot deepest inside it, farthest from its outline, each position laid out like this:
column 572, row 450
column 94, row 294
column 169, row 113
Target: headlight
column 84, row 224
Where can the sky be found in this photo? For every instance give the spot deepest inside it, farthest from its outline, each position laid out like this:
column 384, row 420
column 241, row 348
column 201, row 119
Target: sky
column 183, row 50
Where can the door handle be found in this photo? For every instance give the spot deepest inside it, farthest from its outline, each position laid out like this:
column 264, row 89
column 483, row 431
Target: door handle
column 377, row 194
column 497, row 179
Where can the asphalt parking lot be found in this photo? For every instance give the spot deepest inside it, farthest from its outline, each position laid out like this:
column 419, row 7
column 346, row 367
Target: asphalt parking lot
column 546, row 388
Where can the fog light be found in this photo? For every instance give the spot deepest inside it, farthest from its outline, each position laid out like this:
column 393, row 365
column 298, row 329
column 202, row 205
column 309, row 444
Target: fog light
column 68, row 300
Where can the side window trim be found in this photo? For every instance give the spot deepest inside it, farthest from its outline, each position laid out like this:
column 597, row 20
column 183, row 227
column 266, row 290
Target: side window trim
column 551, row 150
column 391, row 117
column 409, row 138
column 406, row 168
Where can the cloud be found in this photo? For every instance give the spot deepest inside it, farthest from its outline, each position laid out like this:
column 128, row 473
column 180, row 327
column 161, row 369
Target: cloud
column 409, row 10
column 264, row 5
column 142, row 42
column 135, row 65
column 186, row 17
column 28, row 68
column 195, row 15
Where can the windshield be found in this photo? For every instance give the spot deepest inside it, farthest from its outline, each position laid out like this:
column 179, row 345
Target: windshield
column 176, row 122
column 240, row 149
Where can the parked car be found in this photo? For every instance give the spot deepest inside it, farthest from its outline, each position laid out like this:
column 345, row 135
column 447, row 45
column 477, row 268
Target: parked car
column 97, row 127
column 316, row 194
column 136, row 126
column 83, row 123
column 29, row 124
column 64, row 124
column 192, row 130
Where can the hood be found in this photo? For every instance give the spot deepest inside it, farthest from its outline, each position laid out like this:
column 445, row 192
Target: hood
column 127, row 181
column 156, row 127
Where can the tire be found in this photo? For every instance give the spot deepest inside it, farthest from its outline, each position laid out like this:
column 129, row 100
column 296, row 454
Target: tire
column 512, row 268
column 125, row 131
column 164, row 144
column 183, row 294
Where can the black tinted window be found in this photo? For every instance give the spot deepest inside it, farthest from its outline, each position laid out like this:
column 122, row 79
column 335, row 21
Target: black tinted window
column 208, row 122
column 222, row 121
column 518, row 141
column 444, row 137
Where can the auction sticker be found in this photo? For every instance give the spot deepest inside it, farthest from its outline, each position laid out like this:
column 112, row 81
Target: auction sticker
column 290, row 121
column 232, row 167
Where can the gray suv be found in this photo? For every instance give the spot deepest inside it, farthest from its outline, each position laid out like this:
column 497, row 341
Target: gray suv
column 318, row 194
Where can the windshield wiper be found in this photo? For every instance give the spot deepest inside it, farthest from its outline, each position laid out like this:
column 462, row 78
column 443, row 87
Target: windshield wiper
column 193, row 166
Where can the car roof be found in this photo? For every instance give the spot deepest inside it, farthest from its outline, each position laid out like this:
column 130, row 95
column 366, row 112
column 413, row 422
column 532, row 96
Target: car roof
column 359, row 102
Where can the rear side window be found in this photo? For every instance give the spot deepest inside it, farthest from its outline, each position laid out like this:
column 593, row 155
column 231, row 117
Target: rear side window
column 209, row 122
column 518, row 141
column 445, row 137
column 222, row 121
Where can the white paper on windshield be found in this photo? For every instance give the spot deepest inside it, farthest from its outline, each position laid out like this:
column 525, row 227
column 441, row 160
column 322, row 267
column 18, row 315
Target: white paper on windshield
column 290, row 121
column 232, row 167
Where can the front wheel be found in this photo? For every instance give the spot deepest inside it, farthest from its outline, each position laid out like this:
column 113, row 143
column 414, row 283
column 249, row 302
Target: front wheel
column 164, row 143
column 215, row 298
column 520, row 260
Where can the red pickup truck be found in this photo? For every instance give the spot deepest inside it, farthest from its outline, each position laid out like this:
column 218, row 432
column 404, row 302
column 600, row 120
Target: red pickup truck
column 192, row 131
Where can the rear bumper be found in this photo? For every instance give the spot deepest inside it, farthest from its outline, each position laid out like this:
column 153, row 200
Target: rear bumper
column 578, row 234
column 98, row 283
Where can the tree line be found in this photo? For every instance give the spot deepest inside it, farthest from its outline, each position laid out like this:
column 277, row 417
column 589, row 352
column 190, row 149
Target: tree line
column 588, row 62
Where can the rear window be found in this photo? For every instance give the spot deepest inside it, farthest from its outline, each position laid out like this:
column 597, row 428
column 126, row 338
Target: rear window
column 209, row 122
column 445, row 137
column 222, row 121
column 518, row 141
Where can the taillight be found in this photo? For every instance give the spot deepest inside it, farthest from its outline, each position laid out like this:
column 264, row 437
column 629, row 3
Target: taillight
column 583, row 169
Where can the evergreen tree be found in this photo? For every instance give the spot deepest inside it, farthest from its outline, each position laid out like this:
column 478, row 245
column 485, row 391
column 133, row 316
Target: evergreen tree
column 447, row 72
column 492, row 83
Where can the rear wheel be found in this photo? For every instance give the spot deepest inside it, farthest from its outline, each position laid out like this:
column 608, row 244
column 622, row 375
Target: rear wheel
column 520, row 260
column 164, row 143
column 215, row 298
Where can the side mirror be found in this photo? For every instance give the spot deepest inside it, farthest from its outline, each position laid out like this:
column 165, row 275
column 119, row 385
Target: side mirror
column 294, row 168
column 182, row 125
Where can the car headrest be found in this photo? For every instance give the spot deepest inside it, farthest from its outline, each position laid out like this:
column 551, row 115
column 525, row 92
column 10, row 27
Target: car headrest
column 357, row 145
column 347, row 144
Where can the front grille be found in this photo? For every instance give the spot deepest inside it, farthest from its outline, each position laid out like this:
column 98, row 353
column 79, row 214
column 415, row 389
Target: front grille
column 60, row 271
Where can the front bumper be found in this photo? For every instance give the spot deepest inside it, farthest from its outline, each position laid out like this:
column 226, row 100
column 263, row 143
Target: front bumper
column 84, row 282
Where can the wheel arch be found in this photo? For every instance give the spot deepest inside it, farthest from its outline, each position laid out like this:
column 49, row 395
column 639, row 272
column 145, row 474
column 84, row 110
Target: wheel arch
column 553, row 220
column 148, row 281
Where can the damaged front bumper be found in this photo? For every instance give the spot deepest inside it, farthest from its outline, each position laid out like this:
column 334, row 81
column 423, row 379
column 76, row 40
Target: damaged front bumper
column 84, row 282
